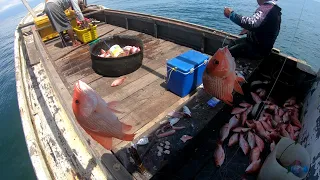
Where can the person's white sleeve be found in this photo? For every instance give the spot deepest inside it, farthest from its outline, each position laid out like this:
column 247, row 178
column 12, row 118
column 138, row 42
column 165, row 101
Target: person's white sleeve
column 77, row 9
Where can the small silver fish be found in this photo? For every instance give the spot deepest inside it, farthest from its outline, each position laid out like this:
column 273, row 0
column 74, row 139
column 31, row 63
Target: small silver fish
column 143, row 141
column 186, row 111
column 173, row 121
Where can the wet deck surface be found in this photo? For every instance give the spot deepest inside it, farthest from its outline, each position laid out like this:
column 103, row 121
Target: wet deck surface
column 143, row 97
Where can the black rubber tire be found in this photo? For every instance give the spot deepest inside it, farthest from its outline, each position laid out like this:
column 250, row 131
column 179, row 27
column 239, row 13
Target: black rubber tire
column 115, row 67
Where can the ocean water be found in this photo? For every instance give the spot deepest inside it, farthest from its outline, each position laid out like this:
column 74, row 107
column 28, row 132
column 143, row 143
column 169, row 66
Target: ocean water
column 299, row 37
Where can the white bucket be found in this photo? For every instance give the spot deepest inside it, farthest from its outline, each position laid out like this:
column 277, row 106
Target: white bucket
column 271, row 169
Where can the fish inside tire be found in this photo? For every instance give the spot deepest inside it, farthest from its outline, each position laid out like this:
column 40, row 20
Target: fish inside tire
column 256, row 109
column 116, row 66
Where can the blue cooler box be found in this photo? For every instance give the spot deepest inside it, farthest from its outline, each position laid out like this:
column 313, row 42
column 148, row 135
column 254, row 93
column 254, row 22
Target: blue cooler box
column 184, row 72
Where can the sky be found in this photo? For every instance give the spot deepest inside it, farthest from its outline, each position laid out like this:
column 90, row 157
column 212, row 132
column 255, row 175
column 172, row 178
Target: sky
column 10, row 8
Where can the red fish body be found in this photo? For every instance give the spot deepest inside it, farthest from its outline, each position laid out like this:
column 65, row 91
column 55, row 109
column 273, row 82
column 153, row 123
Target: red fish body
column 118, row 81
column 259, row 143
column 244, row 144
column 219, row 78
column 254, row 166
column 219, row 155
column 233, row 139
column 238, row 110
column 251, row 140
column 96, row 118
column 233, row 122
column 255, row 154
column 224, row 132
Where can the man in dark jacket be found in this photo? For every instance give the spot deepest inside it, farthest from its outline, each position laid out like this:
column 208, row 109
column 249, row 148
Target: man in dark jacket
column 262, row 30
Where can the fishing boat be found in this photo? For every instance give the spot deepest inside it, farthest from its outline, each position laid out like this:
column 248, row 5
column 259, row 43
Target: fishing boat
column 60, row 149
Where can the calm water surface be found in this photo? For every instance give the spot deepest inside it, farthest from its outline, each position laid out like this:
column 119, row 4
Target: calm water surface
column 14, row 160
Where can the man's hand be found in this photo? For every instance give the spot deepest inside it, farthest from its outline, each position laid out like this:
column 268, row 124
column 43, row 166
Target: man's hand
column 244, row 31
column 227, row 11
column 84, row 24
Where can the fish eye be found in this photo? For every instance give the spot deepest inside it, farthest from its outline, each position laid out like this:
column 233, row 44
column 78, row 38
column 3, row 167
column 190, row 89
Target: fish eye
column 216, row 61
column 77, row 101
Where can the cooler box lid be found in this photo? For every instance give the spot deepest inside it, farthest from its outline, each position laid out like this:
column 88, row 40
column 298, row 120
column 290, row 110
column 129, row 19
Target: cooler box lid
column 188, row 60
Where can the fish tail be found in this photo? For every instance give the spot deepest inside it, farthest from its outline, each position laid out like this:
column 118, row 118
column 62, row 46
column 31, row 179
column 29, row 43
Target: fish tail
column 241, row 79
column 228, row 98
column 106, row 142
column 227, row 102
column 128, row 137
column 237, row 87
column 126, row 127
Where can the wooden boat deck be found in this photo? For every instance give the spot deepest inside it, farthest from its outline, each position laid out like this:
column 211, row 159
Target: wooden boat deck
column 143, row 95
column 143, row 99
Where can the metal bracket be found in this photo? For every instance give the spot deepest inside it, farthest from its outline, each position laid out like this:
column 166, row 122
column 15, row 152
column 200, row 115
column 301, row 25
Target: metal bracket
column 203, row 42
column 127, row 23
column 155, row 26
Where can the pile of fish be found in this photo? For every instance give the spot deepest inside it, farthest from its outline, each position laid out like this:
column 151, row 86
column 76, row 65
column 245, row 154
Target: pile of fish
column 252, row 135
column 117, row 51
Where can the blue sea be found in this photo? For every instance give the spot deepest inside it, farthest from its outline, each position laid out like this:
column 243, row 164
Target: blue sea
column 299, row 37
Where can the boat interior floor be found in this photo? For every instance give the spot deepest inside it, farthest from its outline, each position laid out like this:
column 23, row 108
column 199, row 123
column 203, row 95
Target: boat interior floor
column 146, row 102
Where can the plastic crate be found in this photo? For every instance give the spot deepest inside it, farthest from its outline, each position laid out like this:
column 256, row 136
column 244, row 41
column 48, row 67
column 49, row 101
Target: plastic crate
column 48, row 32
column 184, row 72
column 86, row 35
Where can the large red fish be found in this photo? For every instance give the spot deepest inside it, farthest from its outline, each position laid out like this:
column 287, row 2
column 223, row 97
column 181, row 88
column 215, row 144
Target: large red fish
column 96, row 116
column 219, row 78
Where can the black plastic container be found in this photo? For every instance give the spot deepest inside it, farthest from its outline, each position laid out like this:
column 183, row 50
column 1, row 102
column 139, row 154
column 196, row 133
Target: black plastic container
column 115, row 67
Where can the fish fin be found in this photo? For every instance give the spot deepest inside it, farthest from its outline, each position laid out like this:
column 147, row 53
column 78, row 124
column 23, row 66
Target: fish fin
column 128, row 137
column 112, row 105
column 240, row 79
column 126, row 127
column 237, row 87
column 106, row 142
column 227, row 102
column 229, row 98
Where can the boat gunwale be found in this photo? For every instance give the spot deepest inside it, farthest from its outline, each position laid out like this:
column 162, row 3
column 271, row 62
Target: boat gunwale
column 37, row 159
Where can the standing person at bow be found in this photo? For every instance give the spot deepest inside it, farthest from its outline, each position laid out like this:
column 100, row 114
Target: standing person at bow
column 59, row 21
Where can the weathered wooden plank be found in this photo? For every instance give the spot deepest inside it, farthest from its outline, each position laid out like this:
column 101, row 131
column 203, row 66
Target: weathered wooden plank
column 78, row 53
column 84, row 73
column 73, row 62
column 90, row 78
column 133, row 87
column 138, row 98
column 83, row 64
column 33, row 53
column 151, row 125
column 117, row 30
